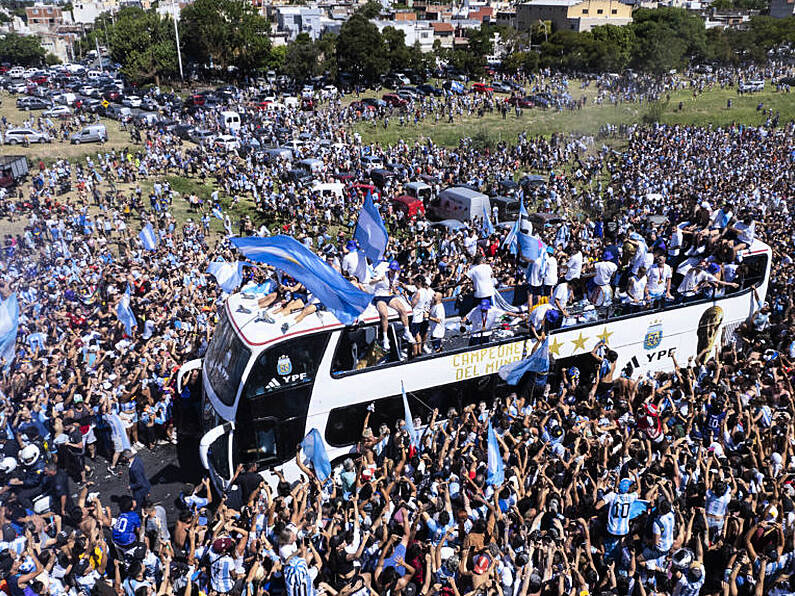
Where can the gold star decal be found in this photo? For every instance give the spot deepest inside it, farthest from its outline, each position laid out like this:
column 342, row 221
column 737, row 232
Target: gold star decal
column 579, row 343
column 605, row 335
column 555, row 346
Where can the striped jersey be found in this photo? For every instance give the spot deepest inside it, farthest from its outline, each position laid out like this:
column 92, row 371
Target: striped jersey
column 716, row 505
column 618, row 514
column 297, row 578
column 221, row 578
column 664, row 528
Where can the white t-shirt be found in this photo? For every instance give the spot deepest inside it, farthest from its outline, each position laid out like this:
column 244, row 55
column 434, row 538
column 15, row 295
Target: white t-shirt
column 423, row 304
column 561, row 294
column 745, row 232
column 692, row 279
column 482, row 279
column 551, row 272
column 604, row 272
column 574, row 266
column 535, row 272
column 471, row 245
column 437, row 329
column 538, row 314
column 658, row 279
column 636, row 288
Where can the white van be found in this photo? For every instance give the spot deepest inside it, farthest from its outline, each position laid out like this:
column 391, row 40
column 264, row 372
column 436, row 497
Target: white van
column 329, row 189
column 16, row 72
column 95, row 133
column 310, row 166
column 94, row 74
column 231, row 121
column 461, row 203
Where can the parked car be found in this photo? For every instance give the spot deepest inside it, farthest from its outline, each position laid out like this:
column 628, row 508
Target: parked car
column 13, row 168
column 57, row 112
column 394, row 100
column 411, row 206
column 501, row 87
column 427, row 89
column 95, row 133
column 374, row 102
column 226, row 143
column 14, row 136
column 201, row 136
column 132, row 101
column 32, row 103
column 481, row 88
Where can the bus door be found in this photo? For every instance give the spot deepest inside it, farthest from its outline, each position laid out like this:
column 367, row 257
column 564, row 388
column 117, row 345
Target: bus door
column 216, row 452
column 184, row 370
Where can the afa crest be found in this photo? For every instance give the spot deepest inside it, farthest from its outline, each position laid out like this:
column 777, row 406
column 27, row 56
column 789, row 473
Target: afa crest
column 654, row 336
column 284, row 365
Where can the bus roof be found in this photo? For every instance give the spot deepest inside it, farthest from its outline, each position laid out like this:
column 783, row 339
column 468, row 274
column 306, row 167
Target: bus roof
column 255, row 330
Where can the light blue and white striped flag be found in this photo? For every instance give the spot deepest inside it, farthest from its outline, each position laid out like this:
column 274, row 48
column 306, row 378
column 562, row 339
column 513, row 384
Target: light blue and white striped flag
column 149, row 237
column 495, row 475
column 9, row 326
column 125, row 313
column 413, row 434
column 228, row 275
column 537, row 361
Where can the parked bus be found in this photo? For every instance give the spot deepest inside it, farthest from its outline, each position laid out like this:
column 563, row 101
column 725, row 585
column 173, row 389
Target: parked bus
column 264, row 388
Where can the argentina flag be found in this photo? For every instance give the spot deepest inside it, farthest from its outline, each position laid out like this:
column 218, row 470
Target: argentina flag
column 9, row 326
column 149, row 237
column 370, row 231
column 339, row 296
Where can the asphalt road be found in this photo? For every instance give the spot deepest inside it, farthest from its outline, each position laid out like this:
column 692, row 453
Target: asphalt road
column 168, row 467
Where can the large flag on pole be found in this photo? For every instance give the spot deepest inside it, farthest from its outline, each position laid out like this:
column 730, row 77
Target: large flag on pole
column 148, row 237
column 9, row 326
column 125, row 313
column 315, row 451
column 413, row 434
column 337, row 294
column 228, row 275
column 496, row 467
column 370, row 231
column 537, row 362
column 518, row 238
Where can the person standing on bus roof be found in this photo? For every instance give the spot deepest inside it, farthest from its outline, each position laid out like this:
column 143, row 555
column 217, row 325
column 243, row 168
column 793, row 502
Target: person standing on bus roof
column 385, row 290
column 482, row 276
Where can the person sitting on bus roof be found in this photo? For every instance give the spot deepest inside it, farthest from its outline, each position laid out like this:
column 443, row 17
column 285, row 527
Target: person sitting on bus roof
column 385, row 295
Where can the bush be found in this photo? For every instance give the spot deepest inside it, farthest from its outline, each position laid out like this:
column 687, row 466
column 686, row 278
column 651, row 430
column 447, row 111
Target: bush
column 655, row 112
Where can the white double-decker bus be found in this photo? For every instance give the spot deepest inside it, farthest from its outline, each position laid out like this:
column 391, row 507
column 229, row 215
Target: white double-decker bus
column 264, row 388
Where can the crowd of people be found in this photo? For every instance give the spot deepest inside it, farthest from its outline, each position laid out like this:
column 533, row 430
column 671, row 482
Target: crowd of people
column 677, row 483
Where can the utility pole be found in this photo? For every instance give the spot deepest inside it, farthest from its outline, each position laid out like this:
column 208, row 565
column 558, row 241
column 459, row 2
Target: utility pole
column 176, row 34
column 99, row 55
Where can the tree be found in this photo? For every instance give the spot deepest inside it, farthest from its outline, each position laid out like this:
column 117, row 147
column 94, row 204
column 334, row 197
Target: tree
column 226, row 33
column 613, row 47
column 22, row 50
column 370, row 9
column 361, row 50
column 51, row 60
column 397, row 52
column 666, row 38
column 143, row 43
column 327, row 54
column 301, row 61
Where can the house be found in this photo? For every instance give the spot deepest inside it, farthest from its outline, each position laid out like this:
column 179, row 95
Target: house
column 576, row 15
column 416, row 32
column 781, row 9
column 444, row 33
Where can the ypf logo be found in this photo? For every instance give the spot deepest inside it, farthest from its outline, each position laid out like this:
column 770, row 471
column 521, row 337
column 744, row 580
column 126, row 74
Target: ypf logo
column 654, row 336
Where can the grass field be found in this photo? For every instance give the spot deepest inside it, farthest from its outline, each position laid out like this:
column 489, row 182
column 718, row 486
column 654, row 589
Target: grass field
column 117, row 138
column 709, row 108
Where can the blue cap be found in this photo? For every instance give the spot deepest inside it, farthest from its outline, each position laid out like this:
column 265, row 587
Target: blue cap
column 550, row 250
column 350, row 245
column 713, row 268
column 624, row 485
column 552, row 316
column 394, row 265
column 485, row 304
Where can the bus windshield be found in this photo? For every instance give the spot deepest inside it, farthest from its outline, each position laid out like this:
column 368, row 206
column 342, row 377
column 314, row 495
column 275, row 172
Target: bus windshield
column 226, row 360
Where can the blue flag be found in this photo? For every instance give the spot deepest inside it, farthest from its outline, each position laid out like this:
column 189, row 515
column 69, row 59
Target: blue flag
column 488, row 228
column 370, row 230
column 228, row 275
column 315, row 451
column 337, row 294
column 9, row 326
column 413, row 434
column 496, row 467
column 517, row 237
column 537, row 362
column 562, row 236
column 217, row 213
column 36, row 340
column 148, row 237
column 125, row 313
column 266, row 287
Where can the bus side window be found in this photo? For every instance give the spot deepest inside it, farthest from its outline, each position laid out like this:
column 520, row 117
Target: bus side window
column 754, row 268
column 359, row 348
